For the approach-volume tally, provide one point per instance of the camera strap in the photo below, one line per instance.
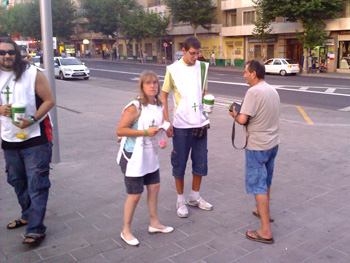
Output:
(233, 137)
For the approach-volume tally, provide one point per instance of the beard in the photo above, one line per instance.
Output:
(7, 64)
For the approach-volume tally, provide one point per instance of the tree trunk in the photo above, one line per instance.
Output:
(194, 30)
(126, 49)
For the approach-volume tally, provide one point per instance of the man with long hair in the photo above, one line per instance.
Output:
(26, 138)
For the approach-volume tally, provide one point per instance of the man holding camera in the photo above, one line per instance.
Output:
(261, 108)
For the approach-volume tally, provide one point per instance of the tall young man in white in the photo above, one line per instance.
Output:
(188, 79)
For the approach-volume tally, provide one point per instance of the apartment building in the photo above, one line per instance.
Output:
(238, 26)
(8, 3)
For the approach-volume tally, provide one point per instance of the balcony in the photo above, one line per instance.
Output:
(234, 4)
(155, 3)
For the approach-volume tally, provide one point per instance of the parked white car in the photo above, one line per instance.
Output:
(282, 66)
(68, 68)
(36, 61)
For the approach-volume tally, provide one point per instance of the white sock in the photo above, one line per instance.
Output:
(194, 195)
(181, 198)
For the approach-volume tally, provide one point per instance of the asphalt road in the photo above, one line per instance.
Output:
(316, 92)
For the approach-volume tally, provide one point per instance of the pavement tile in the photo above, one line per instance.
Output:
(226, 255)
(342, 245)
(192, 255)
(63, 258)
(91, 250)
(62, 248)
(160, 253)
(264, 254)
(30, 256)
(326, 256)
(126, 253)
(196, 239)
(225, 241)
(99, 258)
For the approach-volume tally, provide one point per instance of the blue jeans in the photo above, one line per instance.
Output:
(183, 143)
(259, 167)
(28, 172)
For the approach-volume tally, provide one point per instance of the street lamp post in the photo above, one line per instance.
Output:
(47, 41)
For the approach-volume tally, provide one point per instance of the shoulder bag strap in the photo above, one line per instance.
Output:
(202, 76)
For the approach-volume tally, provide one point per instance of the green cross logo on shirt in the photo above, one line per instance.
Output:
(153, 123)
(7, 94)
(195, 107)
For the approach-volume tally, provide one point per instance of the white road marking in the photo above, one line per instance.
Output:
(345, 109)
(330, 90)
(240, 84)
(304, 88)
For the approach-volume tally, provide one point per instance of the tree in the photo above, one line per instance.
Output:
(106, 16)
(139, 25)
(196, 12)
(25, 19)
(310, 15)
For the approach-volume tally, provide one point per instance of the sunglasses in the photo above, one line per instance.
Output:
(11, 52)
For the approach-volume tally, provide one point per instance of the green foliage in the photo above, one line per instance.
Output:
(196, 12)
(310, 13)
(139, 25)
(106, 16)
(25, 19)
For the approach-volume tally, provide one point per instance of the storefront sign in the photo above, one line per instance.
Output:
(258, 40)
(329, 41)
(347, 32)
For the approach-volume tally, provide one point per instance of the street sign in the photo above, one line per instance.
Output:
(165, 44)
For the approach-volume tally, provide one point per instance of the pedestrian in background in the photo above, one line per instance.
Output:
(27, 144)
(212, 59)
(138, 154)
(190, 124)
(260, 113)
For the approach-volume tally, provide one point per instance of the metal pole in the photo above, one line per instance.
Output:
(47, 44)
(165, 54)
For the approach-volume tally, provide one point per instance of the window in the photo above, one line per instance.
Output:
(248, 17)
(233, 19)
(277, 62)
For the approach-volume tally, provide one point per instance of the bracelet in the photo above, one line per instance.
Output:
(31, 120)
(146, 132)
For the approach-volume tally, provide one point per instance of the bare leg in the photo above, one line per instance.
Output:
(180, 183)
(152, 202)
(196, 182)
(129, 209)
(268, 196)
(263, 208)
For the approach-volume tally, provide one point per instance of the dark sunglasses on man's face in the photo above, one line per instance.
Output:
(11, 52)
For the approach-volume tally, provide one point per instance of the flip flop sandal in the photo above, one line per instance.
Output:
(37, 239)
(18, 223)
(258, 238)
(258, 216)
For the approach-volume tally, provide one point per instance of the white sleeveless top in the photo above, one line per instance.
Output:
(22, 91)
(189, 112)
(144, 159)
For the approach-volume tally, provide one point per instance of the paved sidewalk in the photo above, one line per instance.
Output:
(335, 75)
(310, 192)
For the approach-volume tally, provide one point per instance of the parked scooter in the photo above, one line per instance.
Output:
(322, 68)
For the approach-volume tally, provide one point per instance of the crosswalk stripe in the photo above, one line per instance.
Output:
(330, 90)
(345, 109)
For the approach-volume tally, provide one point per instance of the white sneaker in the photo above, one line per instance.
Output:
(181, 209)
(201, 203)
